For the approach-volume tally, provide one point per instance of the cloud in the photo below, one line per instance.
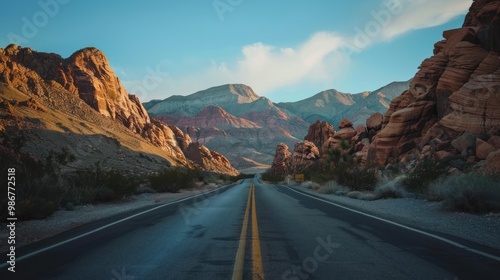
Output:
(419, 14)
(317, 59)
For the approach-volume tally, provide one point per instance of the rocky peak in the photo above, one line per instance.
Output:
(86, 75)
(245, 93)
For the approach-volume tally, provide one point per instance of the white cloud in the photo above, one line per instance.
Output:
(266, 68)
(419, 14)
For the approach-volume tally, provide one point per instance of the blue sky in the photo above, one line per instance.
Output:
(286, 50)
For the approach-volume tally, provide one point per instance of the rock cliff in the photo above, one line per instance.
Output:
(456, 91)
(62, 85)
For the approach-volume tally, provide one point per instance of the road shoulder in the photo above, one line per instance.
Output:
(425, 215)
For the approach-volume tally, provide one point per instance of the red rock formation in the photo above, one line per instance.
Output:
(455, 91)
(346, 130)
(319, 133)
(305, 156)
(209, 160)
(279, 166)
(87, 75)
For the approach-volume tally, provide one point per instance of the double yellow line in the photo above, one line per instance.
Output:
(257, 268)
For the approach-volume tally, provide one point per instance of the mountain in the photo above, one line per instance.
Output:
(79, 106)
(332, 106)
(225, 96)
(233, 120)
(245, 127)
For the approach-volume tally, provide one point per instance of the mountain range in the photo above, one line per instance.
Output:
(233, 120)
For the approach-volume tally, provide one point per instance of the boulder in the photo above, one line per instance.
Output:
(492, 163)
(374, 122)
(483, 149)
(319, 133)
(463, 142)
(495, 141)
(279, 166)
(345, 123)
(305, 155)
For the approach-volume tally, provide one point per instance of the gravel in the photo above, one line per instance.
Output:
(422, 214)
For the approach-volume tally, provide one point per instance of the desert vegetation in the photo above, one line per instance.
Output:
(44, 186)
(474, 192)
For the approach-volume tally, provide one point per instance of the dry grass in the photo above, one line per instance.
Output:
(475, 193)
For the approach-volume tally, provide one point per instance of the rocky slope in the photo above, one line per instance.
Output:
(235, 121)
(84, 89)
(449, 113)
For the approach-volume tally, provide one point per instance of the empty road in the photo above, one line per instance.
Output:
(251, 231)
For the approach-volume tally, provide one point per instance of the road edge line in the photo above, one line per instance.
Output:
(450, 242)
(106, 226)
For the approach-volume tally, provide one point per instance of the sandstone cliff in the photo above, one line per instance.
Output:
(456, 91)
(62, 85)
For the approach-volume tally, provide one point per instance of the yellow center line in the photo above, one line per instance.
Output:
(240, 255)
(257, 268)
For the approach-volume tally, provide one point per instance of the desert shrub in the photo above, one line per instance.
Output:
(143, 190)
(362, 195)
(472, 192)
(103, 194)
(172, 180)
(319, 176)
(391, 189)
(426, 172)
(273, 178)
(340, 166)
(34, 208)
(241, 176)
(310, 185)
(66, 156)
(94, 184)
(120, 184)
(355, 176)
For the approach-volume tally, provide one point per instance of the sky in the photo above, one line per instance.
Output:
(286, 50)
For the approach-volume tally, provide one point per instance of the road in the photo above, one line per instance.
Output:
(250, 231)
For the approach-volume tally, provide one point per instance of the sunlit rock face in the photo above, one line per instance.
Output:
(455, 91)
(87, 76)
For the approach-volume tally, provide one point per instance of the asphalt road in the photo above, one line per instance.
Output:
(252, 231)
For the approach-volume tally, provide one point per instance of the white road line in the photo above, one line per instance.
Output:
(456, 244)
(107, 226)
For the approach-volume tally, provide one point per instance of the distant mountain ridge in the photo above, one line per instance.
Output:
(246, 127)
(332, 106)
(224, 96)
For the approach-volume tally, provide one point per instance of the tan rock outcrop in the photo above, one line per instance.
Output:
(346, 130)
(319, 133)
(305, 155)
(454, 92)
(279, 166)
(374, 122)
(87, 77)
